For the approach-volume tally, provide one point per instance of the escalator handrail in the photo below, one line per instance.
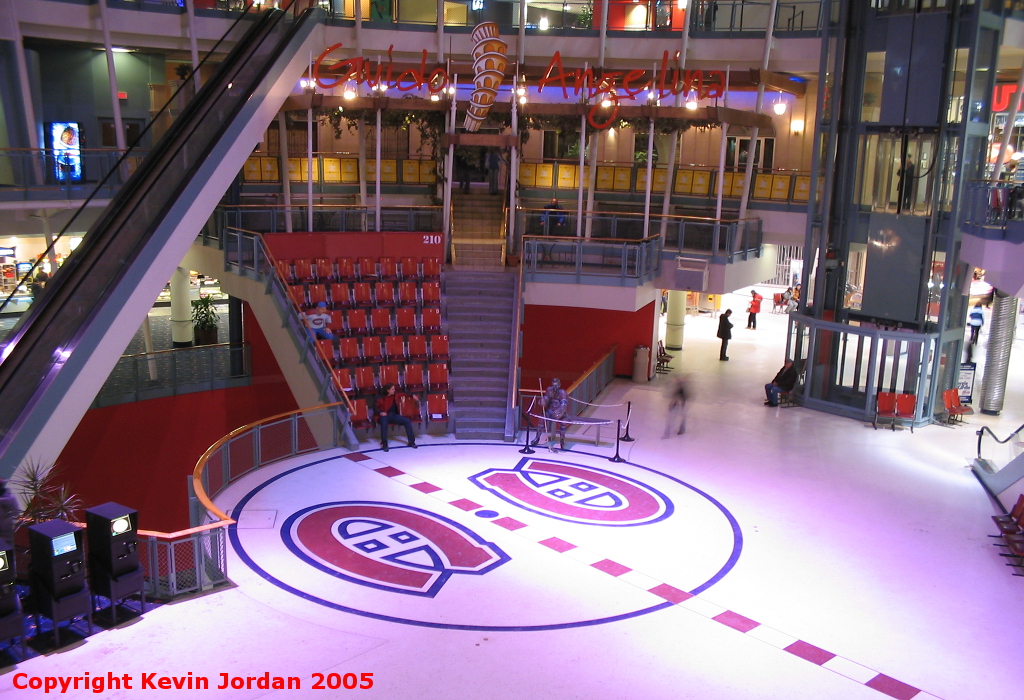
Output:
(986, 429)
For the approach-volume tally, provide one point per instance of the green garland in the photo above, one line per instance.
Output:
(431, 123)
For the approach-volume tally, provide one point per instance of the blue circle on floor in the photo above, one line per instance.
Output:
(486, 514)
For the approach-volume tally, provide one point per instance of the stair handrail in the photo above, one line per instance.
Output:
(985, 429)
(308, 342)
(512, 411)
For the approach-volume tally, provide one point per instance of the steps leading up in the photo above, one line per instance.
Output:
(479, 311)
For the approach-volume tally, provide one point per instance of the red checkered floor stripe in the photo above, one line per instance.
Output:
(744, 625)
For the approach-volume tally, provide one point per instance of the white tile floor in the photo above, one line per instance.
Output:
(871, 545)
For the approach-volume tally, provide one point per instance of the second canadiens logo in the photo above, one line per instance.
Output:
(388, 546)
(576, 493)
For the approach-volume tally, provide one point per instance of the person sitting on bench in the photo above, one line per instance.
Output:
(783, 383)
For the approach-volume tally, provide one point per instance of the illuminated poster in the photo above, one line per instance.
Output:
(67, 150)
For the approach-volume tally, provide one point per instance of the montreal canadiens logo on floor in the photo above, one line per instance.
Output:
(388, 546)
(576, 493)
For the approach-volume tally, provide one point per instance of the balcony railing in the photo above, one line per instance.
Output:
(33, 175)
(172, 372)
(628, 262)
(752, 16)
(993, 210)
(330, 218)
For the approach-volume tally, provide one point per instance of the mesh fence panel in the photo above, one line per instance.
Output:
(184, 577)
(242, 454)
(275, 441)
(215, 473)
(315, 429)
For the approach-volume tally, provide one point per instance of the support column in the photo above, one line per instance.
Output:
(193, 46)
(147, 342)
(112, 76)
(362, 162)
(309, 170)
(513, 172)
(675, 319)
(997, 355)
(376, 191)
(604, 32)
(44, 218)
(522, 37)
(440, 31)
(670, 179)
(591, 184)
(748, 183)
(579, 187)
(181, 310)
(649, 185)
(235, 337)
(25, 88)
(286, 184)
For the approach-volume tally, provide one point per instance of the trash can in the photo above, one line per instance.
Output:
(641, 361)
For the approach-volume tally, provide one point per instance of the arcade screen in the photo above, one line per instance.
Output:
(65, 140)
(119, 526)
(3, 561)
(24, 268)
(64, 544)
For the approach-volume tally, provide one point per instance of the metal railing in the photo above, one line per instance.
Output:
(27, 174)
(258, 444)
(330, 218)
(582, 391)
(172, 372)
(514, 371)
(1001, 452)
(752, 16)
(188, 561)
(993, 210)
(634, 261)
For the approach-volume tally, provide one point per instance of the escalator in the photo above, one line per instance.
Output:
(62, 349)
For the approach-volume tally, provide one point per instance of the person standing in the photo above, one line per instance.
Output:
(493, 168)
(905, 186)
(753, 309)
(976, 320)
(556, 404)
(388, 413)
(725, 333)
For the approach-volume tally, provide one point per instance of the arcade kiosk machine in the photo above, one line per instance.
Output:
(57, 574)
(12, 623)
(114, 570)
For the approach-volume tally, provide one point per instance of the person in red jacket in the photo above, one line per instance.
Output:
(387, 411)
(753, 308)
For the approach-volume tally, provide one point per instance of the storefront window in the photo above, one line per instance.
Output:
(874, 75)
(955, 112)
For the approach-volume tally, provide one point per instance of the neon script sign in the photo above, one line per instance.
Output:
(606, 86)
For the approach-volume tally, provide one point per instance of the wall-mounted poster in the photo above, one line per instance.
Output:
(65, 140)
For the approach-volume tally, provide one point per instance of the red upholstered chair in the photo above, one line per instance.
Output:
(360, 417)
(325, 348)
(410, 408)
(389, 374)
(366, 381)
(348, 348)
(406, 320)
(411, 269)
(885, 407)
(437, 407)
(431, 268)
(303, 269)
(439, 347)
(408, 294)
(380, 321)
(384, 293)
(431, 320)
(341, 295)
(437, 376)
(372, 350)
(337, 322)
(317, 293)
(362, 294)
(389, 269)
(431, 293)
(906, 409)
(368, 269)
(323, 270)
(343, 379)
(418, 348)
(357, 322)
(298, 294)
(412, 378)
(955, 409)
(345, 270)
(394, 348)
(284, 270)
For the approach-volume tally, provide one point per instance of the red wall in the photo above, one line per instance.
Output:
(138, 454)
(288, 246)
(567, 339)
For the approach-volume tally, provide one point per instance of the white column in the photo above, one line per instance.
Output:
(604, 33)
(362, 162)
(440, 31)
(190, 13)
(286, 184)
(25, 87)
(376, 192)
(181, 309)
(752, 149)
(675, 319)
(720, 180)
(513, 170)
(147, 341)
(650, 176)
(591, 184)
(359, 26)
(522, 36)
(666, 201)
(44, 217)
(309, 173)
(579, 188)
(112, 76)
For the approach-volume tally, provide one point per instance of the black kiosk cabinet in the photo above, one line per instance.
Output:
(12, 623)
(114, 570)
(57, 573)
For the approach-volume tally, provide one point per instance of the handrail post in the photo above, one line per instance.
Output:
(257, 458)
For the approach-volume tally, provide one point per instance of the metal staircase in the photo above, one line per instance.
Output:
(478, 230)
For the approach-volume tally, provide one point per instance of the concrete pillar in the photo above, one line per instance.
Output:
(674, 320)
(235, 336)
(997, 354)
(181, 310)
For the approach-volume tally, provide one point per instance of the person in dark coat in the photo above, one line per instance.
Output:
(785, 380)
(388, 412)
(725, 333)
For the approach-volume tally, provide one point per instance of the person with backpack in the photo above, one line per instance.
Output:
(976, 319)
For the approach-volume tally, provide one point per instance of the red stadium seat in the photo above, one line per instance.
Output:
(317, 293)
(348, 348)
(366, 381)
(406, 320)
(431, 293)
(439, 347)
(298, 295)
(431, 268)
(345, 270)
(437, 376)
(357, 322)
(343, 379)
(437, 407)
(412, 378)
(431, 320)
(325, 348)
(418, 348)
(323, 270)
(303, 269)
(410, 408)
(368, 269)
(394, 348)
(372, 351)
(408, 295)
(389, 269)
(360, 417)
(411, 269)
(380, 321)
(337, 322)
(361, 294)
(389, 375)
(284, 270)
(341, 295)
(384, 293)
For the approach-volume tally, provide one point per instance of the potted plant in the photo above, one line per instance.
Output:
(42, 498)
(204, 321)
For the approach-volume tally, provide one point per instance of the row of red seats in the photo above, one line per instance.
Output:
(342, 295)
(349, 351)
(368, 380)
(365, 269)
(356, 322)
(437, 411)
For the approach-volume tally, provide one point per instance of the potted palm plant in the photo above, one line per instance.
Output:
(204, 321)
